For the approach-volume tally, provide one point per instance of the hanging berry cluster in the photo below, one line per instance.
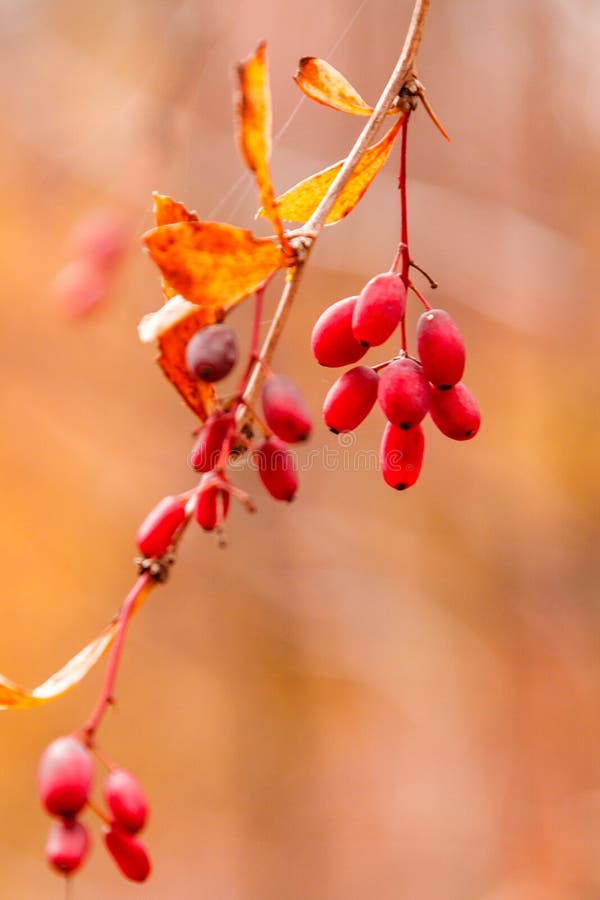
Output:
(405, 387)
(65, 778)
(208, 268)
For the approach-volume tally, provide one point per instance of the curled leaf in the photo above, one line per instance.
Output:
(14, 696)
(199, 395)
(299, 203)
(255, 123)
(212, 264)
(323, 83)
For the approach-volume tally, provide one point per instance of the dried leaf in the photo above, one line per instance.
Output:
(321, 82)
(212, 264)
(199, 395)
(299, 203)
(13, 696)
(168, 211)
(254, 111)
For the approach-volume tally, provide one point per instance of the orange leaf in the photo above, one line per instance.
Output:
(13, 696)
(255, 119)
(299, 203)
(212, 264)
(167, 211)
(321, 82)
(199, 395)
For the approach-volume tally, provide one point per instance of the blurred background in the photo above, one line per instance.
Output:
(367, 694)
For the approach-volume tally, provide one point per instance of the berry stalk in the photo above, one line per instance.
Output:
(142, 586)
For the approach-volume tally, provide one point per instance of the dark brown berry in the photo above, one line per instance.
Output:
(212, 353)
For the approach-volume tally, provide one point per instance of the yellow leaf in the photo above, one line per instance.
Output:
(299, 203)
(168, 211)
(212, 264)
(255, 122)
(321, 82)
(13, 696)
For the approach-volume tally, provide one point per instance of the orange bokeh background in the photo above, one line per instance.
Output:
(367, 695)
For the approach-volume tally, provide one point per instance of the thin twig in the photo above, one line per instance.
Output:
(303, 243)
(106, 697)
(402, 71)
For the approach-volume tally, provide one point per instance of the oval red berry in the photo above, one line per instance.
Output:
(67, 845)
(212, 506)
(64, 776)
(332, 341)
(207, 449)
(404, 393)
(128, 852)
(441, 348)
(379, 309)
(126, 799)
(350, 399)
(285, 409)
(155, 534)
(456, 413)
(401, 455)
(277, 469)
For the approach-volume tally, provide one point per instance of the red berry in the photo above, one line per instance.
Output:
(441, 348)
(401, 455)
(285, 409)
(155, 534)
(207, 449)
(379, 309)
(64, 776)
(456, 413)
(277, 469)
(212, 352)
(80, 286)
(404, 393)
(128, 852)
(212, 506)
(126, 799)
(332, 341)
(101, 235)
(67, 845)
(350, 399)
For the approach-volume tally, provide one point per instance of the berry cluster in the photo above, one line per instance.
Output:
(64, 778)
(406, 388)
(211, 355)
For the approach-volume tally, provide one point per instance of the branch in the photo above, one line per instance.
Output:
(304, 244)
